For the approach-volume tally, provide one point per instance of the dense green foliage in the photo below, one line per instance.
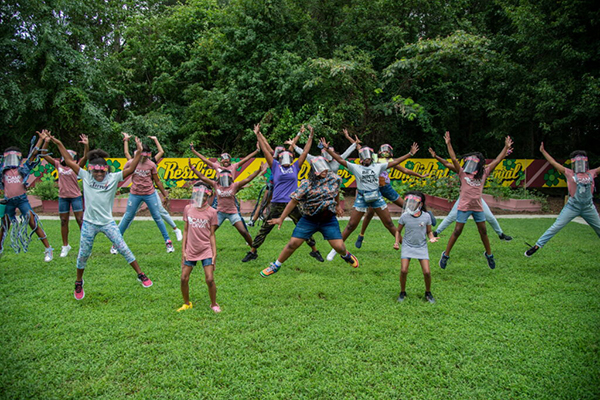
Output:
(527, 330)
(390, 71)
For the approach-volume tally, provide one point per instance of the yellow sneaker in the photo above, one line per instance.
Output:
(185, 307)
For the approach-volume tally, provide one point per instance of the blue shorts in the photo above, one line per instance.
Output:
(205, 263)
(19, 202)
(305, 228)
(232, 217)
(389, 192)
(361, 205)
(463, 216)
(65, 204)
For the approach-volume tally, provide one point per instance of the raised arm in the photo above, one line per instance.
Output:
(410, 172)
(451, 151)
(333, 154)
(86, 149)
(264, 146)
(38, 145)
(199, 174)
(557, 166)
(307, 146)
(65, 154)
(507, 146)
(249, 156)
(413, 150)
(161, 152)
(442, 161)
(44, 150)
(126, 137)
(260, 171)
(200, 156)
(135, 160)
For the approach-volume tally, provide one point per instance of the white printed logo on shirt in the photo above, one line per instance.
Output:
(473, 182)
(142, 172)
(197, 222)
(13, 179)
(225, 193)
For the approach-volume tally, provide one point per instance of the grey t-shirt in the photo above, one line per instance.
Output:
(333, 165)
(367, 178)
(99, 196)
(414, 235)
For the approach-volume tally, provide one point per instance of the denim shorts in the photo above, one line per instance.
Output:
(305, 228)
(19, 202)
(389, 192)
(463, 216)
(361, 205)
(232, 217)
(205, 263)
(66, 203)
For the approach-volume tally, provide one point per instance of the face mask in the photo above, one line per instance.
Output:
(412, 204)
(386, 151)
(225, 179)
(286, 158)
(319, 164)
(580, 164)
(12, 159)
(471, 164)
(200, 195)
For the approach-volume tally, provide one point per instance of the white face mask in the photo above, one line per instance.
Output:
(412, 204)
(470, 165)
(200, 195)
(580, 164)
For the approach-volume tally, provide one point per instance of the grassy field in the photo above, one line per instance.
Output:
(529, 329)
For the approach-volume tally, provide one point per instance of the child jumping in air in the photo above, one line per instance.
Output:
(472, 180)
(99, 188)
(417, 222)
(580, 184)
(199, 244)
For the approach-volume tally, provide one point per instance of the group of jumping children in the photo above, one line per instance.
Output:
(313, 205)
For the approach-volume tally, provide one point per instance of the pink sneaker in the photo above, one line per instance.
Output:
(216, 308)
(79, 292)
(144, 280)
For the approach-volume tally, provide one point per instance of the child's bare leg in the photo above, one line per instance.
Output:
(78, 218)
(186, 270)
(64, 228)
(134, 264)
(355, 217)
(339, 246)
(210, 282)
(386, 219)
(484, 237)
(290, 248)
(367, 221)
(242, 230)
(403, 273)
(426, 274)
(458, 228)
(38, 229)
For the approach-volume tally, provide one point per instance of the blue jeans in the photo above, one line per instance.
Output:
(489, 217)
(205, 263)
(388, 192)
(66, 203)
(133, 204)
(305, 228)
(163, 213)
(571, 210)
(19, 202)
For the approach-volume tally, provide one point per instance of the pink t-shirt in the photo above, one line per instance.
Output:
(471, 190)
(226, 198)
(197, 245)
(141, 179)
(218, 167)
(13, 183)
(67, 181)
(583, 178)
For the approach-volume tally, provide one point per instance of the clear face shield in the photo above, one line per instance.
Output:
(12, 159)
(366, 153)
(412, 204)
(200, 195)
(319, 165)
(470, 165)
(386, 151)
(225, 179)
(286, 158)
(326, 155)
(225, 159)
(72, 154)
(580, 164)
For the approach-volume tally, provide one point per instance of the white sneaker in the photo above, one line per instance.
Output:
(170, 247)
(178, 234)
(331, 255)
(113, 250)
(48, 254)
(65, 250)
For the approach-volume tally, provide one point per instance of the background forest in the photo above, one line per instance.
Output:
(391, 71)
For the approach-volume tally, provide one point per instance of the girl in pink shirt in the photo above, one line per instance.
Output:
(226, 189)
(199, 244)
(473, 175)
(69, 194)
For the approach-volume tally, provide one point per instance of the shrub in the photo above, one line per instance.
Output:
(184, 192)
(252, 190)
(45, 190)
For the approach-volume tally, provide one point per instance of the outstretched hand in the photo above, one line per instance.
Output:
(276, 221)
(257, 129)
(138, 144)
(414, 148)
(324, 143)
(432, 152)
(542, 149)
(447, 137)
(433, 239)
(84, 140)
(126, 136)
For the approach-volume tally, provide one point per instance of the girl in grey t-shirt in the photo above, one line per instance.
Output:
(417, 222)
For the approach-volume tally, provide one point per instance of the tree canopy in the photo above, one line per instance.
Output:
(390, 71)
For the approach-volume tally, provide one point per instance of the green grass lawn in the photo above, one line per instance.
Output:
(529, 329)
